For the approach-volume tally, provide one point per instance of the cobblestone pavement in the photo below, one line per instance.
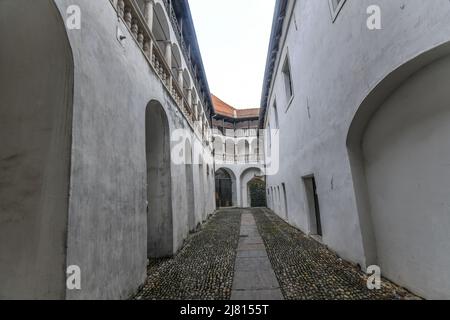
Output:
(203, 269)
(305, 269)
(308, 270)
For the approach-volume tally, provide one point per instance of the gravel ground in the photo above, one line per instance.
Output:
(307, 270)
(203, 269)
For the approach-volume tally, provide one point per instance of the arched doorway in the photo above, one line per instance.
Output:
(189, 185)
(257, 192)
(246, 176)
(159, 186)
(399, 147)
(224, 189)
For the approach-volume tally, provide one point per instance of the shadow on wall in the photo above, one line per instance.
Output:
(35, 153)
(399, 153)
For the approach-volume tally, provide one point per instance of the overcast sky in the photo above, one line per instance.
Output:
(234, 37)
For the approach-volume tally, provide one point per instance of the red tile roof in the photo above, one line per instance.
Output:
(224, 109)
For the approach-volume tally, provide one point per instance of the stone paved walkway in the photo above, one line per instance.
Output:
(253, 254)
(254, 278)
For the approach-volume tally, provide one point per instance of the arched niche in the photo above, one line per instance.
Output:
(159, 183)
(36, 108)
(398, 146)
(190, 196)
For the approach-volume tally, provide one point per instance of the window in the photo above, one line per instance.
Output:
(335, 7)
(288, 79)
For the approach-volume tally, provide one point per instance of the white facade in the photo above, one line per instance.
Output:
(239, 153)
(88, 176)
(368, 118)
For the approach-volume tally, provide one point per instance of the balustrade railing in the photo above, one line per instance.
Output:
(227, 158)
(132, 16)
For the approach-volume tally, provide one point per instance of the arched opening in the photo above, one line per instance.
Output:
(194, 103)
(243, 151)
(257, 192)
(246, 176)
(246, 151)
(224, 189)
(219, 149)
(230, 150)
(253, 155)
(189, 185)
(35, 137)
(159, 185)
(398, 148)
(187, 84)
(160, 27)
(176, 62)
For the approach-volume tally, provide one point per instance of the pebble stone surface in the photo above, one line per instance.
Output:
(308, 270)
(203, 269)
(304, 268)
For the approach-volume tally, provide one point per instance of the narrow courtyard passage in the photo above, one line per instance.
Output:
(253, 254)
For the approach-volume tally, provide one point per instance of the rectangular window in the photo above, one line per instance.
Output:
(288, 79)
(335, 8)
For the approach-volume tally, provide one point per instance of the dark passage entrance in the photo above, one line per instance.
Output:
(314, 208)
(224, 193)
(257, 192)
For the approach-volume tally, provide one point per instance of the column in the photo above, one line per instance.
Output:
(168, 52)
(189, 97)
(168, 58)
(148, 13)
(180, 78)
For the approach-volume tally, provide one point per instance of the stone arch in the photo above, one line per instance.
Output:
(397, 143)
(159, 182)
(190, 195)
(160, 28)
(35, 153)
(246, 176)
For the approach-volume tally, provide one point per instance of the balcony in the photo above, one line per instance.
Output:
(148, 24)
(239, 159)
